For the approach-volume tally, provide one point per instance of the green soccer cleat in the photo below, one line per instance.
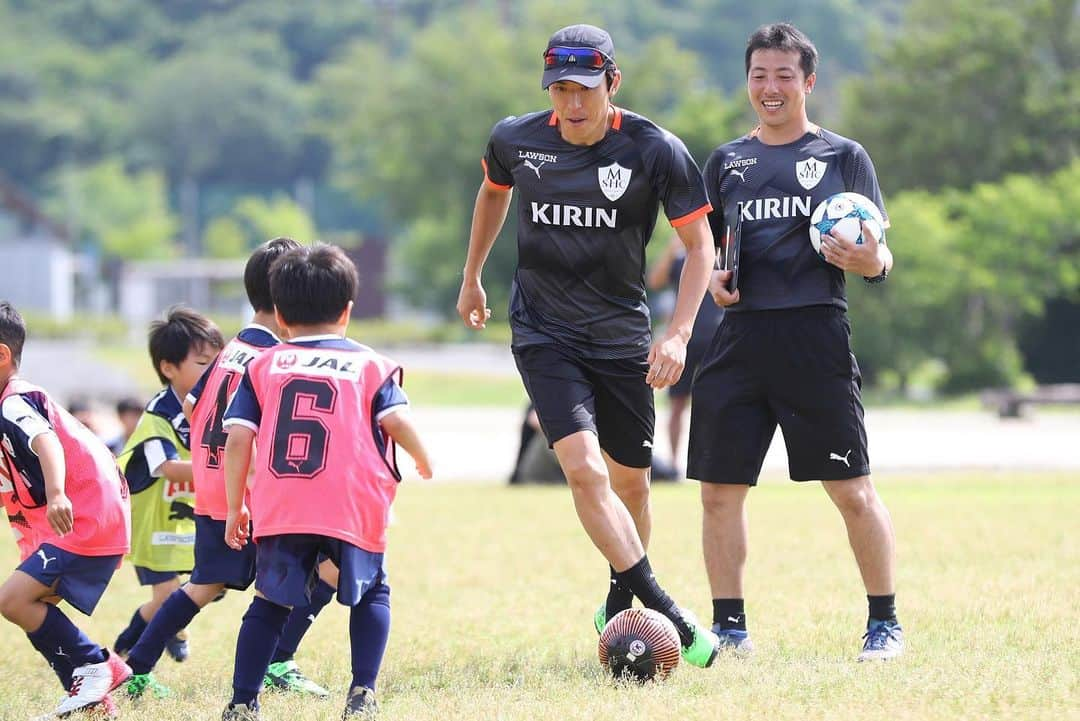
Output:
(140, 683)
(703, 650)
(600, 618)
(286, 676)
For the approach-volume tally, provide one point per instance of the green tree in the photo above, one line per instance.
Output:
(218, 117)
(968, 92)
(1025, 232)
(126, 215)
(275, 217)
(225, 238)
(410, 129)
(60, 103)
(900, 324)
(705, 119)
(255, 220)
(716, 30)
(971, 267)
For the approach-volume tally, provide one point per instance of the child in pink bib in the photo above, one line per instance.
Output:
(326, 414)
(68, 506)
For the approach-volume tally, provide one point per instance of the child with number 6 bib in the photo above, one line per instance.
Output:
(325, 413)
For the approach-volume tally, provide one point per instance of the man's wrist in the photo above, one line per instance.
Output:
(681, 332)
(881, 276)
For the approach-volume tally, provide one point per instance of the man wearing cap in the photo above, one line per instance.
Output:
(591, 178)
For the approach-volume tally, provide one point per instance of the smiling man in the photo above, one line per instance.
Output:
(783, 352)
(591, 179)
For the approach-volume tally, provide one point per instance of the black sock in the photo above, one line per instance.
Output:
(882, 608)
(130, 635)
(640, 580)
(619, 597)
(300, 620)
(729, 613)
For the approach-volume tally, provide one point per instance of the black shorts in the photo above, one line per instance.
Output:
(793, 367)
(606, 396)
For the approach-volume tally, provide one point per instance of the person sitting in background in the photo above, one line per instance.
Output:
(83, 413)
(128, 412)
(537, 463)
(665, 274)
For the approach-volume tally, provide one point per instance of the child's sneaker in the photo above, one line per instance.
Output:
(140, 683)
(240, 712)
(177, 647)
(883, 640)
(286, 676)
(360, 704)
(105, 709)
(90, 684)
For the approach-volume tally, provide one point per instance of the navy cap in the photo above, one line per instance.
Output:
(579, 36)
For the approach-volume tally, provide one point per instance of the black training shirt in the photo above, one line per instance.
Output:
(585, 215)
(772, 190)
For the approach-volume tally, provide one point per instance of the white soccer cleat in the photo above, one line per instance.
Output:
(90, 684)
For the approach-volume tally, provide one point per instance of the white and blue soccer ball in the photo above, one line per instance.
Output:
(842, 215)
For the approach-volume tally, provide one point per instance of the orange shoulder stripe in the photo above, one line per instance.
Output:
(489, 181)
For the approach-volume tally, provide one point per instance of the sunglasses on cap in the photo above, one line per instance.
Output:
(582, 57)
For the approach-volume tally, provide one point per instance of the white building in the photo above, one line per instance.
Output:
(37, 266)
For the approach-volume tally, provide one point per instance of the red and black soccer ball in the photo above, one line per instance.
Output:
(639, 644)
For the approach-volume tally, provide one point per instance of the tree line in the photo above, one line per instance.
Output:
(164, 127)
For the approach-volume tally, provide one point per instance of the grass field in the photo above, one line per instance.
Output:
(494, 588)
